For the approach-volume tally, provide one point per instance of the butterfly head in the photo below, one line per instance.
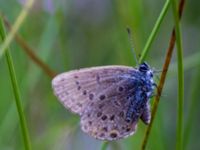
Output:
(146, 69)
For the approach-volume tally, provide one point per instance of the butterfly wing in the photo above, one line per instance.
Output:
(105, 119)
(100, 95)
(77, 89)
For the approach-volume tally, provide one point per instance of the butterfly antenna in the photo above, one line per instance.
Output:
(132, 47)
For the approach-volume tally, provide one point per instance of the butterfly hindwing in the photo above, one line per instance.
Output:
(105, 119)
(146, 115)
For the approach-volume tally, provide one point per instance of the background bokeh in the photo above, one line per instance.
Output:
(69, 34)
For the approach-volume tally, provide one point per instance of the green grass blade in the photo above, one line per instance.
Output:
(104, 145)
(16, 91)
(179, 127)
(154, 31)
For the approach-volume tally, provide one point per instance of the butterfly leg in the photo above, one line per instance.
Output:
(146, 115)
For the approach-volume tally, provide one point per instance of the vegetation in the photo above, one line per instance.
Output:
(49, 37)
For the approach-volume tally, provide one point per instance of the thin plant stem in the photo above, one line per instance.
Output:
(16, 26)
(162, 79)
(154, 31)
(104, 145)
(13, 78)
(179, 126)
(30, 52)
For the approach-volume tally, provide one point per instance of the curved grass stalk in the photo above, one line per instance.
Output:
(16, 26)
(30, 52)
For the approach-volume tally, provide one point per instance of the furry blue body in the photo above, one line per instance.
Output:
(143, 86)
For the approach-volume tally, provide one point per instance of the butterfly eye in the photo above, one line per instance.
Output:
(144, 67)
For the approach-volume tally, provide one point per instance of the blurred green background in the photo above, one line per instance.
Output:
(69, 34)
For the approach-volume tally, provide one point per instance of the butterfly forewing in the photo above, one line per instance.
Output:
(79, 88)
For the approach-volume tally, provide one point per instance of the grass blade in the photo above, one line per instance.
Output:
(179, 127)
(22, 120)
(104, 145)
(154, 31)
(162, 79)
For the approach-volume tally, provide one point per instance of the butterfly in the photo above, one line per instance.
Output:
(110, 100)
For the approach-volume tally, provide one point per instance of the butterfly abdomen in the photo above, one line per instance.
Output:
(136, 106)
